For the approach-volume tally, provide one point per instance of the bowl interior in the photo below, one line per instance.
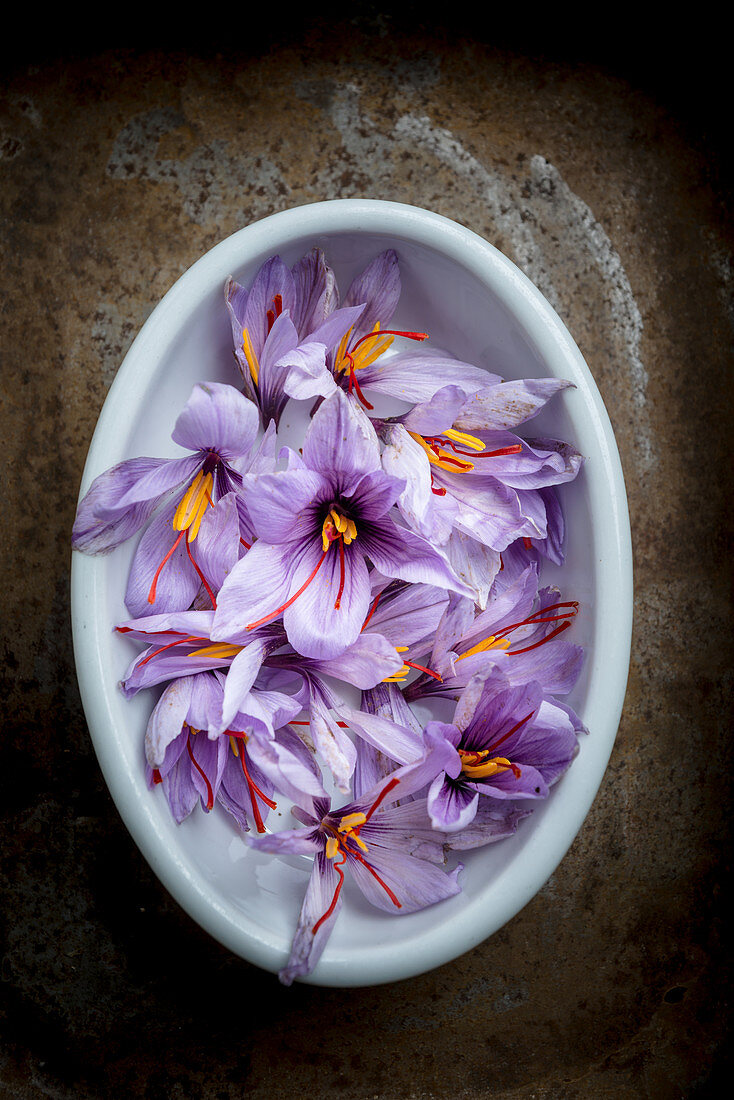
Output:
(477, 305)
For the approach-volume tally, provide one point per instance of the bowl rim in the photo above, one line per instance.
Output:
(613, 568)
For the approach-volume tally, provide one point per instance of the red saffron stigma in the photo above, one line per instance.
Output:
(301, 590)
(276, 311)
(255, 793)
(371, 611)
(200, 770)
(202, 578)
(385, 791)
(421, 668)
(499, 453)
(373, 872)
(353, 382)
(301, 722)
(154, 584)
(247, 545)
(157, 777)
(509, 733)
(547, 638)
(342, 575)
(332, 907)
(390, 332)
(169, 645)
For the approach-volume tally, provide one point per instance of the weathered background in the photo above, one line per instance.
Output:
(599, 166)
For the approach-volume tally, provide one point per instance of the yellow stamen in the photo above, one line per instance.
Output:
(465, 439)
(349, 821)
(233, 743)
(336, 525)
(441, 457)
(368, 351)
(250, 355)
(193, 506)
(488, 643)
(495, 766)
(332, 847)
(217, 650)
(339, 521)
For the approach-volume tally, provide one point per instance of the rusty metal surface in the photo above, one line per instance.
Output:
(117, 170)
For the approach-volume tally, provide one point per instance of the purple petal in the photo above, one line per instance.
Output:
(315, 625)
(316, 292)
(508, 404)
(216, 548)
(378, 288)
(256, 588)
(308, 946)
(167, 719)
(100, 524)
(398, 552)
(414, 882)
(452, 806)
(217, 416)
(493, 821)
(283, 506)
(177, 582)
(341, 443)
(416, 376)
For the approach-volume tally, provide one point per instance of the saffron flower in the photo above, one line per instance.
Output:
(240, 769)
(522, 632)
(509, 743)
(282, 328)
(218, 427)
(485, 486)
(318, 525)
(359, 361)
(375, 838)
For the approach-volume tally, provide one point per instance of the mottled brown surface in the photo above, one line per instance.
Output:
(117, 171)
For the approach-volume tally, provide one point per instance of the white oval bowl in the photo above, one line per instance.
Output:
(476, 303)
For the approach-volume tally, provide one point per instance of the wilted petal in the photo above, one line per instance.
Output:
(321, 898)
(508, 404)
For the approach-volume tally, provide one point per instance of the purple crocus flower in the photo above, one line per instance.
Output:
(218, 426)
(179, 644)
(359, 362)
(318, 524)
(282, 328)
(488, 486)
(509, 743)
(377, 840)
(522, 632)
(240, 769)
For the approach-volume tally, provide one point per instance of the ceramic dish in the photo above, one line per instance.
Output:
(476, 303)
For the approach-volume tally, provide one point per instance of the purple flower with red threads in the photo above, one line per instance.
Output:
(242, 768)
(522, 632)
(376, 837)
(509, 742)
(485, 486)
(218, 426)
(318, 525)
